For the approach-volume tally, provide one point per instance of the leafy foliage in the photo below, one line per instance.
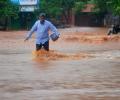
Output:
(79, 6)
(107, 6)
(8, 9)
(114, 5)
(61, 7)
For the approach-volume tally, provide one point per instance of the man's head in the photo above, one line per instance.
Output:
(42, 18)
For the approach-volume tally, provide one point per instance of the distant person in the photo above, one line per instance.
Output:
(41, 29)
(115, 29)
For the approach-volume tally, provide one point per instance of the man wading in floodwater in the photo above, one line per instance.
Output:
(41, 29)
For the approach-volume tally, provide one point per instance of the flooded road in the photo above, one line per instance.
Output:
(84, 64)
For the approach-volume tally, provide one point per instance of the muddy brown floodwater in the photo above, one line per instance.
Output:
(84, 64)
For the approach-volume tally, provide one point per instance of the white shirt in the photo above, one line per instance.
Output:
(41, 31)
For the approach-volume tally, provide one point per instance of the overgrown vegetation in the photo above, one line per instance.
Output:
(57, 8)
(7, 10)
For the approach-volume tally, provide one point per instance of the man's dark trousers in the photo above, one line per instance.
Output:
(45, 46)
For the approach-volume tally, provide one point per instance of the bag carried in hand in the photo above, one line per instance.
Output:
(54, 36)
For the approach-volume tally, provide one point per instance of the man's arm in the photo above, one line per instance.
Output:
(32, 30)
(54, 29)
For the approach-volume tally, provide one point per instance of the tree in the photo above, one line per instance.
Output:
(7, 10)
(64, 8)
(100, 5)
(114, 5)
(79, 6)
(51, 7)
(107, 6)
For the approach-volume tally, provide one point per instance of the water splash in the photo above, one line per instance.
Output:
(43, 55)
(96, 39)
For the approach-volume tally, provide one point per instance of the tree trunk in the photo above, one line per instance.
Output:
(6, 23)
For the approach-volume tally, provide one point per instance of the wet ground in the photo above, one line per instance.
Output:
(84, 64)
